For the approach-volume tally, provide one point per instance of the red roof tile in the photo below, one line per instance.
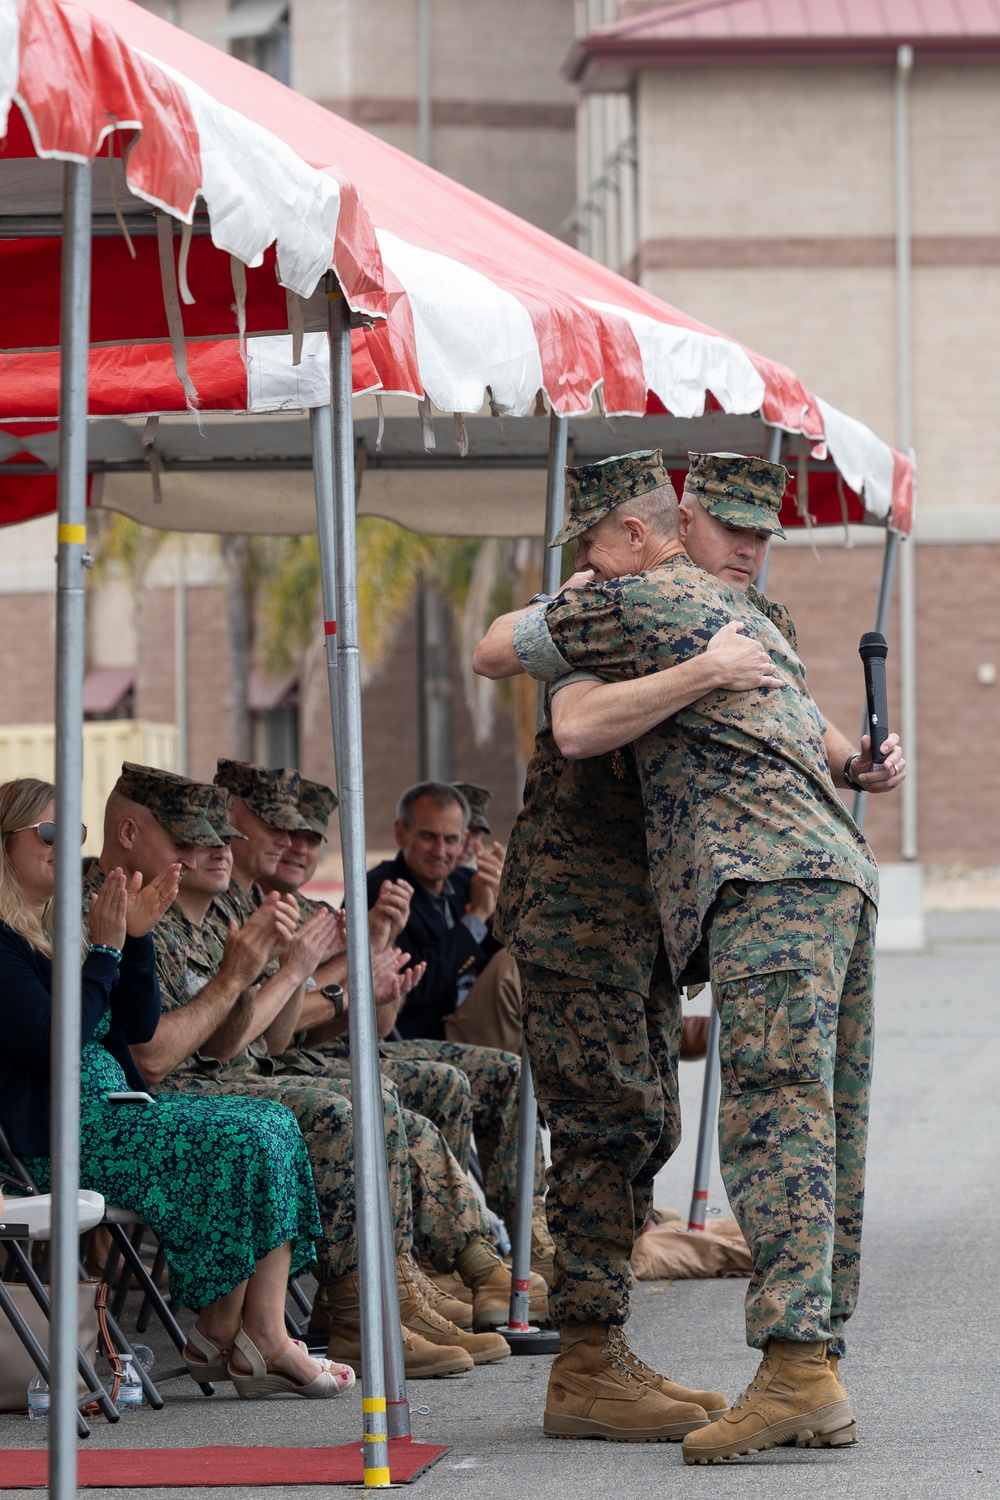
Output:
(778, 30)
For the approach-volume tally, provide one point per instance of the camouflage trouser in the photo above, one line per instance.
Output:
(494, 1080)
(792, 974)
(446, 1213)
(326, 1120)
(604, 1062)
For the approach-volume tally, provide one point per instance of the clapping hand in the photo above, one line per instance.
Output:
(108, 912)
(148, 902)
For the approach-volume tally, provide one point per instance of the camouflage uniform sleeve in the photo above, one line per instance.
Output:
(178, 984)
(580, 632)
(591, 629)
(536, 651)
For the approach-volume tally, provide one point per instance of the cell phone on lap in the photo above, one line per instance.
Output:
(130, 1096)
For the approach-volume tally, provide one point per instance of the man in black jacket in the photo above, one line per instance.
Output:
(470, 991)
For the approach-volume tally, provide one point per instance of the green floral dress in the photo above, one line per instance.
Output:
(221, 1181)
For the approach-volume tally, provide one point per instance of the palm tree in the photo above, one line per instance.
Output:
(475, 579)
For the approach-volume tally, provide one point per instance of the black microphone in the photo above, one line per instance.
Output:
(873, 651)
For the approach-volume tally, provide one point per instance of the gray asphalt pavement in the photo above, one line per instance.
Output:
(924, 1361)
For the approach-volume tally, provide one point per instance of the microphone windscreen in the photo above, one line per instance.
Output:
(873, 645)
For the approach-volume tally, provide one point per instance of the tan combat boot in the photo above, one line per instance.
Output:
(481, 1268)
(793, 1398)
(420, 1316)
(594, 1392)
(713, 1402)
(336, 1315)
(452, 1298)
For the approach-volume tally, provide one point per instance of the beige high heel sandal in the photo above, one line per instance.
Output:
(215, 1363)
(333, 1379)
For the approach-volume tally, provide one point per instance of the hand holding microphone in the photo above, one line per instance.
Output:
(880, 766)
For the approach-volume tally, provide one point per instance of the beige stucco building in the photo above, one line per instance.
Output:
(766, 202)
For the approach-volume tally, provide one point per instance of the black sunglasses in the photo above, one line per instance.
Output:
(47, 832)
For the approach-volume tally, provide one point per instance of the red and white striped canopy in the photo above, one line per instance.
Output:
(463, 302)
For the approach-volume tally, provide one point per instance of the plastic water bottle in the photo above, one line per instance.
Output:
(38, 1398)
(129, 1396)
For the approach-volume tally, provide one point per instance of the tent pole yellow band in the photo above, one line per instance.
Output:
(76, 534)
(373, 1403)
(376, 1478)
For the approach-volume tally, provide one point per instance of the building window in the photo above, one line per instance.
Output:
(257, 33)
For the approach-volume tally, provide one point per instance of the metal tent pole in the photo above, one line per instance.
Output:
(74, 335)
(889, 554)
(909, 791)
(774, 457)
(369, 1133)
(524, 1339)
(706, 1126)
(397, 1404)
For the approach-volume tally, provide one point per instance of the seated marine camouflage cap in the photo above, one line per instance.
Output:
(478, 798)
(316, 803)
(738, 490)
(594, 490)
(190, 811)
(272, 794)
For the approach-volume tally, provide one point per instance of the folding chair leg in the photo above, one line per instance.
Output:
(88, 1374)
(156, 1275)
(125, 1275)
(13, 1313)
(160, 1307)
(300, 1299)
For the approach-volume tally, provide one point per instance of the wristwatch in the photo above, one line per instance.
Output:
(848, 763)
(539, 599)
(335, 994)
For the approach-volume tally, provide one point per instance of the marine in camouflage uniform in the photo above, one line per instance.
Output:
(459, 1087)
(748, 840)
(602, 1015)
(441, 1205)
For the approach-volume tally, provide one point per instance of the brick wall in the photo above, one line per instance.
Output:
(28, 633)
(832, 599)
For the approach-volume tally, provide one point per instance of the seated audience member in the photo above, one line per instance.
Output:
(431, 1090)
(460, 1088)
(218, 1033)
(224, 1183)
(471, 991)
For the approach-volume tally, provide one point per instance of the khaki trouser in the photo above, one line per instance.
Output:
(490, 1014)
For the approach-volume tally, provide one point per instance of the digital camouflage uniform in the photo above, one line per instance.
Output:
(446, 1213)
(602, 1026)
(748, 838)
(461, 1089)
(432, 1201)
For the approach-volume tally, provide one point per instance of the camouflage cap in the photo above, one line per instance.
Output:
(272, 794)
(738, 490)
(188, 810)
(316, 803)
(594, 490)
(478, 799)
(218, 808)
